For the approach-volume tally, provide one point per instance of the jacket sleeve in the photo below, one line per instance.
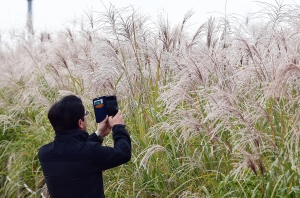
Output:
(94, 138)
(107, 157)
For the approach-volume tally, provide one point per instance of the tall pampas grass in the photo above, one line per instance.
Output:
(211, 113)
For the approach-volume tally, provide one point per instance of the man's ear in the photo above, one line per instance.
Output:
(80, 124)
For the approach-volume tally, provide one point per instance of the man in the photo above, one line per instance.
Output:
(73, 163)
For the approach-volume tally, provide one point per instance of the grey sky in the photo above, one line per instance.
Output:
(53, 14)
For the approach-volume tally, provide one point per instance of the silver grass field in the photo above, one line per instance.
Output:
(212, 112)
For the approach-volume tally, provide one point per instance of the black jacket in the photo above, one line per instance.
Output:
(73, 163)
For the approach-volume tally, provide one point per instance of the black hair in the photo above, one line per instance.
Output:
(65, 113)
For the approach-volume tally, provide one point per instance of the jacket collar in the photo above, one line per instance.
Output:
(71, 134)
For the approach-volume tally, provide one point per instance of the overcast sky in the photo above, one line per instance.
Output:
(54, 14)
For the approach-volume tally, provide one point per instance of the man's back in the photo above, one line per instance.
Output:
(68, 166)
(73, 163)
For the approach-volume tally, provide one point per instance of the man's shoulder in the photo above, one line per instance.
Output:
(45, 146)
(66, 149)
(42, 151)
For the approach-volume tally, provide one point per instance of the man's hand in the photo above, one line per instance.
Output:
(117, 119)
(104, 127)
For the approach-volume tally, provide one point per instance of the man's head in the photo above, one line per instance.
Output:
(67, 114)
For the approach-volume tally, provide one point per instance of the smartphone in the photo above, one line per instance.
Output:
(105, 105)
